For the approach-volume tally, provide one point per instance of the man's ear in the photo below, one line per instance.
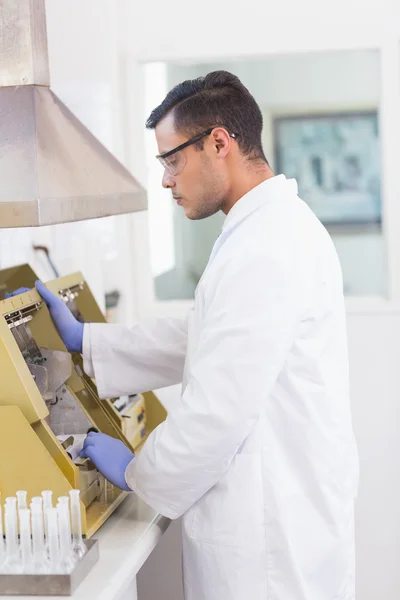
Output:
(222, 141)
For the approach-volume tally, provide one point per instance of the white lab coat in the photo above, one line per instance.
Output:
(259, 457)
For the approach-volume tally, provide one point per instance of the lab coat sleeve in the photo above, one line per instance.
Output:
(129, 361)
(248, 328)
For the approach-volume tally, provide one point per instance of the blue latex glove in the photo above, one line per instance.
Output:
(110, 456)
(70, 330)
(18, 291)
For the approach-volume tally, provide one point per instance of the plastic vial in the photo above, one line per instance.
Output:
(11, 528)
(47, 499)
(78, 546)
(40, 561)
(21, 499)
(64, 501)
(67, 559)
(37, 500)
(47, 503)
(53, 539)
(25, 539)
(12, 564)
(2, 547)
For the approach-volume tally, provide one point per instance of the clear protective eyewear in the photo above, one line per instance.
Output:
(174, 160)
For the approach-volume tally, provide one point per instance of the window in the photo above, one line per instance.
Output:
(321, 126)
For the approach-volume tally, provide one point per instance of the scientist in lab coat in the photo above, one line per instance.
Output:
(259, 457)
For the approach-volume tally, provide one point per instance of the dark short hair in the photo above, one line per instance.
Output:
(217, 100)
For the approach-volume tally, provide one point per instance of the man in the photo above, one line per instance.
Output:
(259, 457)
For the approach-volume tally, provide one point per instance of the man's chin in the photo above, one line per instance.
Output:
(190, 213)
(194, 215)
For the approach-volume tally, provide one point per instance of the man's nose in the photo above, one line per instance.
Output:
(168, 180)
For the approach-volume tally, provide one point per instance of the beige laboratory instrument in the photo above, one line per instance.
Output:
(48, 404)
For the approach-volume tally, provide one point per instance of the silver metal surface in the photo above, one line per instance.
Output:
(23, 43)
(51, 585)
(52, 169)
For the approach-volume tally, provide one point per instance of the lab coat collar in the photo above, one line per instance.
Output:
(262, 193)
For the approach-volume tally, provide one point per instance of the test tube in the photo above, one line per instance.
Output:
(21, 499)
(78, 546)
(47, 503)
(47, 499)
(40, 562)
(53, 539)
(2, 548)
(64, 500)
(10, 526)
(67, 560)
(25, 539)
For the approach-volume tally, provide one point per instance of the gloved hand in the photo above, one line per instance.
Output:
(110, 456)
(70, 330)
(18, 291)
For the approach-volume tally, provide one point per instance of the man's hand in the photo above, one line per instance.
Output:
(110, 456)
(21, 290)
(70, 330)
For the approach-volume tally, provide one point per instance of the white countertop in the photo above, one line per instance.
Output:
(126, 540)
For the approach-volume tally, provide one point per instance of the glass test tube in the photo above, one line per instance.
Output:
(53, 539)
(25, 539)
(78, 545)
(64, 500)
(47, 503)
(10, 526)
(2, 548)
(21, 499)
(67, 560)
(40, 561)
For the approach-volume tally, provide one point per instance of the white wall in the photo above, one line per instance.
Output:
(165, 31)
(375, 386)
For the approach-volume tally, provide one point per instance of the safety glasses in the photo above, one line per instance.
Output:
(174, 160)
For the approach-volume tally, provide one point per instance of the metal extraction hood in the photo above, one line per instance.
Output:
(52, 169)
